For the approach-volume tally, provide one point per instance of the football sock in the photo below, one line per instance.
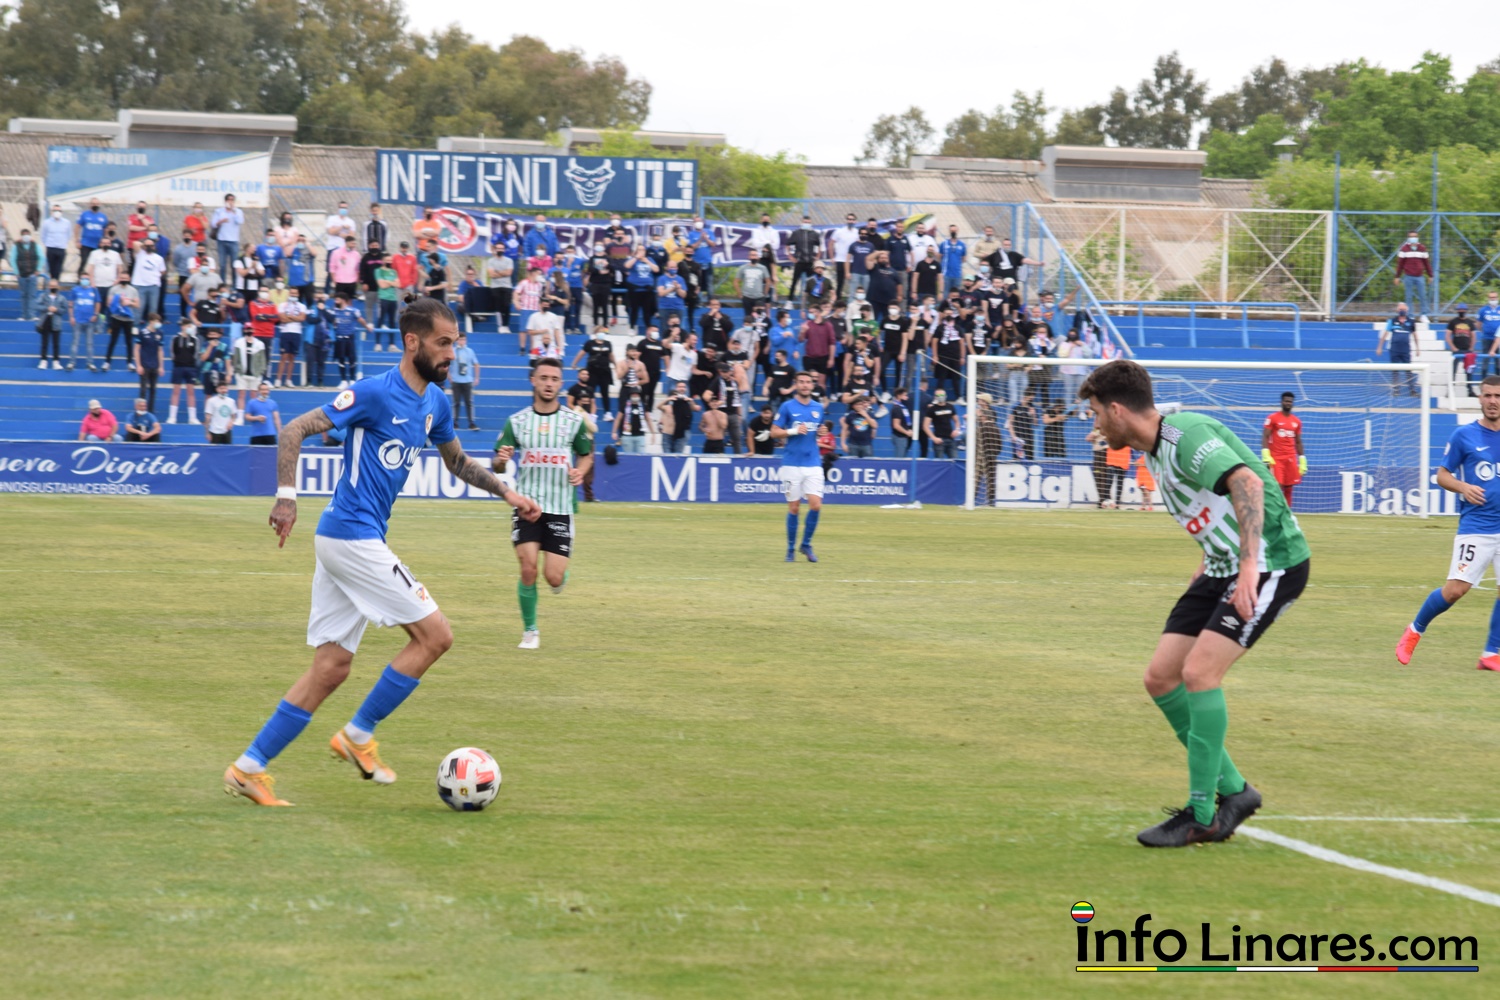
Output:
(1493, 643)
(1174, 705)
(1205, 744)
(385, 697)
(526, 595)
(791, 530)
(810, 527)
(1431, 608)
(284, 725)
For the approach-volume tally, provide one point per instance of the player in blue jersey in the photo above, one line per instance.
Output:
(801, 466)
(1470, 462)
(357, 578)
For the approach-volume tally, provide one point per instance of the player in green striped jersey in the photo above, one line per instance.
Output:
(1255, 564)
(544, 439)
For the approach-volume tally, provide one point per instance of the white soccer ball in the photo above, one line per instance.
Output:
(468, 779)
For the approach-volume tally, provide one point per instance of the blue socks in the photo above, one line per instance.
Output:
(1431, 608)
(791, 530)
(812, 525)
(384, 698)
(1492, 644)
(284, 725)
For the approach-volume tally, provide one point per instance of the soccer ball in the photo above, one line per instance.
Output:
(468, 779)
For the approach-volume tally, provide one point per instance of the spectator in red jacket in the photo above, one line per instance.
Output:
(1413, 268)
(408, 275)
(98, 424)
(264, 315)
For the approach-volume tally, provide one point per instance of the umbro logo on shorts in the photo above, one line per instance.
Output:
(1230, 621)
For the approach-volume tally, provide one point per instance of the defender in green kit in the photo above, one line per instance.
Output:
(545, 438)
(1255, 564)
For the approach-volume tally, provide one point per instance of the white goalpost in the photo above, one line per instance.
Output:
(1366, 431)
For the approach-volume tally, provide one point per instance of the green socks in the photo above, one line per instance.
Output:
(1175, 706)
(1205, 744)
(526, 595)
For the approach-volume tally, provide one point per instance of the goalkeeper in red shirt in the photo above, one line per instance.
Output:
(1281, 446)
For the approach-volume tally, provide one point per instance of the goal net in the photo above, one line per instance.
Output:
(1364, 429)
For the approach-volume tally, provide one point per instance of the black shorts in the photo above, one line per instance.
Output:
(1206, 605)
(553, 531)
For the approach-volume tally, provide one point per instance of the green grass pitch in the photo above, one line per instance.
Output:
(887, 775)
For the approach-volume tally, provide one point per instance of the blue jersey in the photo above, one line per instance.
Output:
(1401, 328)
(387, 425)
(85, 302)
(801, 450)
(299, 269)
(345, 322)
(270, 256)
(641, 275)
(1489, 320)
(93, 225)
(953, 257)
(1472, 455)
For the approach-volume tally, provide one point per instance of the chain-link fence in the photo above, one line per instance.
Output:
(1224, 255)
(1463, 255)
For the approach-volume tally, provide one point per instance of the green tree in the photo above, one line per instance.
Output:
(1017, 132)
(1083, 127)
(723, 171)
(1250, 153)
(894, 139)
(1162, 110)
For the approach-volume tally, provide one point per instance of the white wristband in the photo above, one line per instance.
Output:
(286, 493)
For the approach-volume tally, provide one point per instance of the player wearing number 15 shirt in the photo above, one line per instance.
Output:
(357, 578)
(1469, 469)
(1255, 564)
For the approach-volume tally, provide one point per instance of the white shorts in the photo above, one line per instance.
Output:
(358, 581)
(247, 382)
(799, 482)
(1472, 555)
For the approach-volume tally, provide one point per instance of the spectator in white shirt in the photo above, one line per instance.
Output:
(146, 276)
(226, 224)
(839, 242)
(219, 413)
(57, 235)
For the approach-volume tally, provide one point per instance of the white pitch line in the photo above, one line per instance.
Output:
(1361, 865)
(1384, 819)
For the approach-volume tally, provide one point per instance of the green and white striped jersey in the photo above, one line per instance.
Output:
(545, 444)
(1193, 454)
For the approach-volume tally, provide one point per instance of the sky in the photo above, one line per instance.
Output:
(701, 57)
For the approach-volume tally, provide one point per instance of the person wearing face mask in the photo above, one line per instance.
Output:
(570, 266)
(408, 271)
(507, 238)
(83, 316)
(26, 261)
(137, 225)
(600, 280)
(895, 335)
(764, 241)
(184, 258)
(286, 234)
(952, 251)
(57, 237)
(146, 276)
(500, 273)
(225, 229)
(426, 231)
(49, 323)
(703, 245)
(301, 268)
(541, 237)
(148, 358)
(196, 223)
(377, 233)
(807, 250)
(90, 231)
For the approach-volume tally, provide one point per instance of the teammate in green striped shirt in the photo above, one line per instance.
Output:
(1255, 564)
(545, 438)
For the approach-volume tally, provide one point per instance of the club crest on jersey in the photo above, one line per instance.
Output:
(394, 454)
(428, 428)
(344, 400)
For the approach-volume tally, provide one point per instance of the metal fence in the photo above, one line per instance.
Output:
(1464, 249)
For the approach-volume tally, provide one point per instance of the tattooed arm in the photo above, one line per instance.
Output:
(1247, 493)
(475, 474)
(288, 452)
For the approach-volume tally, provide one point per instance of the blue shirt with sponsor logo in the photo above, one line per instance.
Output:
(85, 302)
(345, 322)
(1489, 320)
(801, 450)
(92, 225)
(1471, 455)
(386, 424)
(952, 251)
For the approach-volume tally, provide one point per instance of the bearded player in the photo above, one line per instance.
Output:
(357, 578)
(545, 438)
(1281, 446)
(1255, 564)
(1468, 469)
